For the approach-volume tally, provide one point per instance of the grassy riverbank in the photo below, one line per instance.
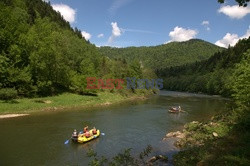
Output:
(66, 100)
(224, 140)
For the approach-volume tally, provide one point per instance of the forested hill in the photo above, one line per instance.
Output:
(40, 54)
(213, 76)
(166, 55)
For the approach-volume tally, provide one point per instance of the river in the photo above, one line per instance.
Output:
(39, 139)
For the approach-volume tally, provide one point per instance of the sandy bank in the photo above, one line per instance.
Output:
(12, 115)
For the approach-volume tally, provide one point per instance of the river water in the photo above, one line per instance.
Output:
(39, 139)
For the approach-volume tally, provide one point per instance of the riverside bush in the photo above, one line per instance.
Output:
(8, 94)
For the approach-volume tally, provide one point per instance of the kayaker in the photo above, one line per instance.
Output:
(94, 131)
(179, 108)
(74, 134)
(87, 134)
(85, 129)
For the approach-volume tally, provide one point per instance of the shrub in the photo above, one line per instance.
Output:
(8, 94)
(193, 126)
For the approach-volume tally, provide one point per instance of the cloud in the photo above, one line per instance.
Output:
(117, 4)
(206, 25)
(86, 35)
(100, 35)
(67, 12)
(116, 32)
(235, 12)
(181, 34)
(137, 31)
(228, 39)
(231, 39)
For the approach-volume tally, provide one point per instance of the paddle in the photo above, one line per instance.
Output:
(66, 142)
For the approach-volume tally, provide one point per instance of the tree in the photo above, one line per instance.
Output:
(240, 81)
(240, 2)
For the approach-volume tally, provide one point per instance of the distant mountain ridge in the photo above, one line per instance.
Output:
(211, 76)
(166, 55)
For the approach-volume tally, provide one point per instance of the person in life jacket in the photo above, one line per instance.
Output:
(94, 132)
(87, 134)
(85, 129)
(75, 135)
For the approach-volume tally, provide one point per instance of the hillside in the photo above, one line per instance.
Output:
(224, 139)
(167, 55)
(41, 55)
(210, 76)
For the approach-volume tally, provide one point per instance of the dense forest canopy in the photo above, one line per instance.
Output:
(212, 76)
(40, 54)
(166, 55)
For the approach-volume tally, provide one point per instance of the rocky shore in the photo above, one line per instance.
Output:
(195, 133)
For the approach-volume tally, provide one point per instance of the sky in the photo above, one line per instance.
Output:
(123, 23)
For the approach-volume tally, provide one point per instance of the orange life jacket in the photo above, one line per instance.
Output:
(85, 129)
(87, 134)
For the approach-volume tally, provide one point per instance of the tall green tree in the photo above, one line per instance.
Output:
(240, 81)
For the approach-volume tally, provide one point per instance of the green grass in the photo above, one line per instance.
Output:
(66, 100)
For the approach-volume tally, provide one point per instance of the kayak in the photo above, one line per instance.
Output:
(173, 111)
(83, 139)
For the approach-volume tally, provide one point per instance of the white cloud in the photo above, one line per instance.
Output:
(228, 39)
(235, 12)
(181, 34)
(67, 12)
(206, 25)
(116, 32)
(100, 35)
(86, 35)
(137, 31)
(231, 39)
